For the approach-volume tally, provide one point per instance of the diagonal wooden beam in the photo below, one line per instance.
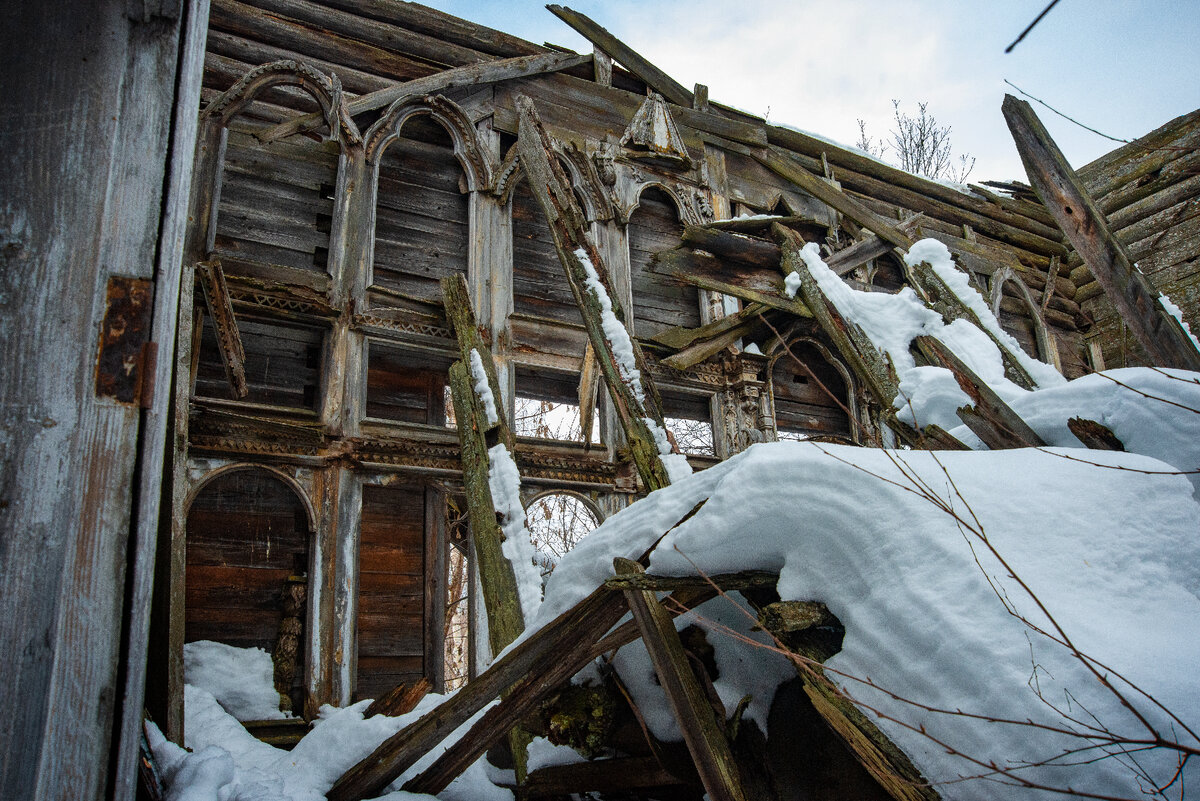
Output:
(468, 75)
(220, 311)
(1128, 289)
(637, 64)
(701, 730)
(635, 398)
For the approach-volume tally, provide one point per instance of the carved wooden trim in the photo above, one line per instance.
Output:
(326, 90)
(220, 311)
(476, 164)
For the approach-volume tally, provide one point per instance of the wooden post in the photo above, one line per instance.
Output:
(694, 713)
(1128, 289)
(461, 317)
(635, 400)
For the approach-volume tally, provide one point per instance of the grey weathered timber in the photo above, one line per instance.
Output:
(703, 271)
(655, 78)
(589, 388)
(467, 75)
(941, 298)
(461, 316)
(992, 420)
(1094, 435)
(681, 336)
(779, 162)
(732, 245)
(568, 227)
(584, 622)
(220, 310)
(1127, 288)
(94, 169)
(725, 582)
(691, 707)
(699, 351)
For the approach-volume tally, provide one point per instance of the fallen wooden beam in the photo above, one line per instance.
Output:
(637, 64)
(585, 622)
(701, 731)
(602, 776)
(726, 582)
(989, 417)
(681, 337)
(467, 75)
(635, 398)
(1128, 289)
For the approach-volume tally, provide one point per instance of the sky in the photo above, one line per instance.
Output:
(1123, 67)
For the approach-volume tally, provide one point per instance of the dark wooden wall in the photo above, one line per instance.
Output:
(659, 302)
(247, 533)
(283, 364)
(406, 385)
(540, 287)
(391, 589)
(801, 405)
(421, 212)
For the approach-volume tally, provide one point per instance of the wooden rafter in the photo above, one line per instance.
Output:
(220, 311)
(1129, 290)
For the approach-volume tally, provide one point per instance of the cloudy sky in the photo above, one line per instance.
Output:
(1123, 67)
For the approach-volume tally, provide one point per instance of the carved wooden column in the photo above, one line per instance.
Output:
(746, 416)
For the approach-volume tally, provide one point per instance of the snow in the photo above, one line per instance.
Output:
(614, 332)
(227, 763)
(1112, 553)
(754, 349)
(937, 255)
(242, 680)
(927, 394)
(504, 481)
(1175, 312)
(676, 464)
(482, 389)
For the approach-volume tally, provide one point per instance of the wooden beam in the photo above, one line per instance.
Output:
(220, 311)
(780, 162)
(727, 582)
(467, 75)
(701, 270)
(586, 621)
(731, 245)
(681, 337)
(701, 730)
(460, 316)
(1128, 289)
(589, 387)
(992, 420)
(602, 776)
(694, 354)
(635, 398)
(655, 78)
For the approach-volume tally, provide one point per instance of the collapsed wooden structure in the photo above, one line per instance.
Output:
(382, 191)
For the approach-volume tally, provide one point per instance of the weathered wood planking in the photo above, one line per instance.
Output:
(809, 393)
(660, 301)
(539, 287)
(283, 364)
(79, 505)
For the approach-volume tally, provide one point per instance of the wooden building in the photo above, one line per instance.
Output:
(314, 444)
(349, 155)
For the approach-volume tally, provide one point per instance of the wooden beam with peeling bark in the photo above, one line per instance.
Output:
(1128, 289)
(467, 75)
(635, 398)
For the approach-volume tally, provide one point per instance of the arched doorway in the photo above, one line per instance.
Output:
(247, 570)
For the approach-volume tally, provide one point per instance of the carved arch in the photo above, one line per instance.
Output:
(579, 169)
(591, 505)
(476, 165)
(685, 204)
(1041, 332)
(778, 350)
(326, 90)
(291, 483)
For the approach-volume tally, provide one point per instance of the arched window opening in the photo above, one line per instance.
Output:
(659, 301)
(810, 395)
(556, 523)
(276, 201)
(246, 586)
(540, 287)
(421, 212)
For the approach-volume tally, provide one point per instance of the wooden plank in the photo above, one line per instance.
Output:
(220, 310)
(602, 776)
(991, 419)
(586, 621)
(569, 227)
(467, 75)
(1130, 291)
(655, 78)
(691, 707)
